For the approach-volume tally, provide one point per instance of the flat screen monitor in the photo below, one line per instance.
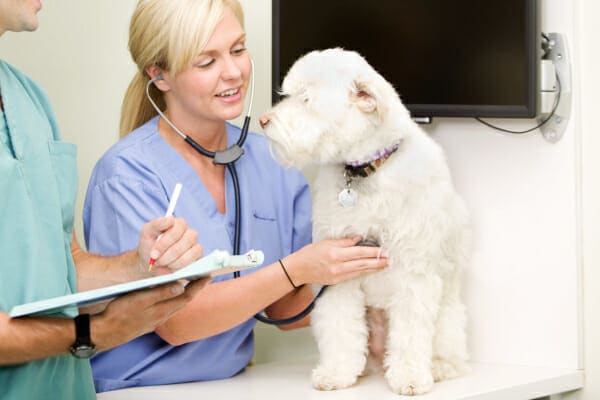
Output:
(446, 58)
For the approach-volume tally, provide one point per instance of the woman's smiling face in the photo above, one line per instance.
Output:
(214, 86)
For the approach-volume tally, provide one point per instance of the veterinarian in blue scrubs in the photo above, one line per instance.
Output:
(38, 184)
(204, 81)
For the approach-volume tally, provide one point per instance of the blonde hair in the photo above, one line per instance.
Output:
(168, 34)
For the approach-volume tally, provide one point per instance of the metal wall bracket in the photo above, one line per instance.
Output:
(555, 49)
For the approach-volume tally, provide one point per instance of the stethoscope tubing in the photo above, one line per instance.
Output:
(228, 158)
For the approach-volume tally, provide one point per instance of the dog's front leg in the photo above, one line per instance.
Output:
(412, 314)
(450, 342)
(340, 329)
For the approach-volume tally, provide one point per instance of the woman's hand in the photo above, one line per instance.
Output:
(333, 261)
(170, 242)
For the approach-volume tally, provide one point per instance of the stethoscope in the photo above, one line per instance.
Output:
(228, 157)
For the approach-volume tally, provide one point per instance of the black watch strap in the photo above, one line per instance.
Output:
(83, 346)
(82, 327)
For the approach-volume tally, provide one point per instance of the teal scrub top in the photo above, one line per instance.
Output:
(38, 184)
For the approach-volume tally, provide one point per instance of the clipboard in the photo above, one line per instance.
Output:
(216, 263)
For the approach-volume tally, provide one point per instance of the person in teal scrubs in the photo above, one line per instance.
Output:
(41, 258)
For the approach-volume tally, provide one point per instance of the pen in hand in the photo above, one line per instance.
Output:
(170, 209)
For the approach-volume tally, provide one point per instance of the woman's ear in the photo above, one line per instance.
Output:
(158, 76)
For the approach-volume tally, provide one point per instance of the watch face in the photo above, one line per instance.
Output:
(83, 351)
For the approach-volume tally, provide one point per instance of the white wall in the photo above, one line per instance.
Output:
(531, 201)
(589, 34)
(522, 288)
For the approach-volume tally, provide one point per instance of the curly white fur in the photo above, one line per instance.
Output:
(338, 109)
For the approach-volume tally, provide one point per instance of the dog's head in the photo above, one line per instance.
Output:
(335, 108)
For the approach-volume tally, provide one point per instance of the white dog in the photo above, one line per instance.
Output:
(381, 177)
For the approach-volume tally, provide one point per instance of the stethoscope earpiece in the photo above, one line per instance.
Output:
(158, 77)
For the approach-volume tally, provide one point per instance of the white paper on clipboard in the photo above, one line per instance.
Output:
(214, 263)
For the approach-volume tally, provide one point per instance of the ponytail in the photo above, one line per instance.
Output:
(136, 109)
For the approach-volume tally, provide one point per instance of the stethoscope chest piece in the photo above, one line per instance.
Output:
(229, 155)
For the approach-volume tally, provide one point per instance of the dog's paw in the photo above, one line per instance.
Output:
(332, 378)
(409, 382)
(443, 369)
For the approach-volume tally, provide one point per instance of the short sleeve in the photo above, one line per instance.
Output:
(115, 211)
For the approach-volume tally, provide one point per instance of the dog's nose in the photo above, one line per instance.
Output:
(264, 121)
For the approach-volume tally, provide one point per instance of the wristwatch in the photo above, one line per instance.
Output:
(83, 346)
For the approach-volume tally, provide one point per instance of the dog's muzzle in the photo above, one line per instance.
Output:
(264, 121)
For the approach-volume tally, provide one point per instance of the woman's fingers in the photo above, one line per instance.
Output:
(367, 264)
(360, 252)
(355, 268)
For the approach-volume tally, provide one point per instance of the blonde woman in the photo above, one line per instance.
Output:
(199, 47)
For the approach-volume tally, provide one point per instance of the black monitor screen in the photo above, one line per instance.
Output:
(444, 57)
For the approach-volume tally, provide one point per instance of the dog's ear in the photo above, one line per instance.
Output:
(370, 100)
(363, 97)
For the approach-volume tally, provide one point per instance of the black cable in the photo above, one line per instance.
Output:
(296, 317)
(545, 37)
(198, 148)
(238, 208)
(554, 107)
(245, 128)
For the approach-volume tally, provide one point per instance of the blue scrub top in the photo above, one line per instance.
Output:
(38, 184)
(131, 185)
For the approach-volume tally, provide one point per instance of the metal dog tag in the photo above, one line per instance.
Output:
(347, 197)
